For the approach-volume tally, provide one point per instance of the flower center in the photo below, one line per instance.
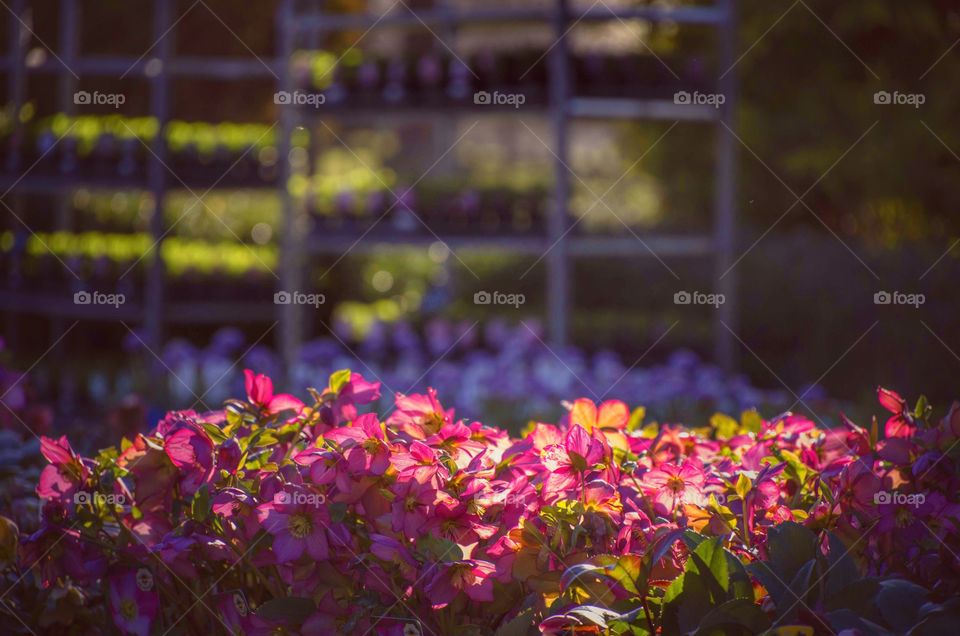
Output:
(300, 525)
(676, 485)
(433, 422)
(128, 609)
(462, 577)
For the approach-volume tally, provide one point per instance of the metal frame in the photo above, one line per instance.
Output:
(562, 110)
(291, 27)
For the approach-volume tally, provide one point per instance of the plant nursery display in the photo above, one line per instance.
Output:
(321, 516)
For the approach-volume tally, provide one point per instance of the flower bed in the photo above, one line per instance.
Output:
(498, 371)
(281, 516)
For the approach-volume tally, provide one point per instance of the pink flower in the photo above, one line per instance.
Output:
(419, 416)
(412, 505)
(260, 393)
(134, 602)
(566, 464)
(365, 444)
(65, 474)
(296, 527)
(670, 485)
(419, 462)
(355, 391)
(471, 577)
(610, 418)
(191, 450)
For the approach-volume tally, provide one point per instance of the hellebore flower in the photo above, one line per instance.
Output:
(566, 464)
(357, 390)
(296, 527)
(191, 450)
(671, 484)
(412, 506)
(419, 462)
(65, 474)
(365, 444)
(471, 577)
(420, 416)
(610, 418)
(260, 393)
(134, 603)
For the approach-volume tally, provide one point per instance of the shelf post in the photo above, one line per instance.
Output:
(725, 193)
(289, 315)
(558, 262)
(157, 183)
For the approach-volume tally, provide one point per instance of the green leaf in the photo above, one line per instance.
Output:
(842, 571)
(899, 603)
(725, 426)
(636, 419)
(201, 505)
(291, 608)
(594, 615)
(626, 570)
(737, 616)
(790, 546)
(214, 432)
(751, 421)
(339, 379)
(520, 625)
(743, 486)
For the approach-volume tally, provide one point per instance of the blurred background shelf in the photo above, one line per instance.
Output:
(294, 158)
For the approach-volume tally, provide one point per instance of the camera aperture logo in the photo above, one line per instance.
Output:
(698, 298)
(86, 498)
(896, 98)
(299, 98)
(498, 298)
(696, 98)
(297, 498)
(884, 497)
(496, 98)
(98, 298)
(96, 98)
(899, 298)
(298, 298)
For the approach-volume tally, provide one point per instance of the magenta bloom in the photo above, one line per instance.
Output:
(420, 416)
(365, 444)
(134, 602)
(471, 577)
(412, 506)
(65, 474)
(298, 522)
(419, 462)
(191, 450)
(357, 390)
(567, 463)
(670, 484)
(260, 392)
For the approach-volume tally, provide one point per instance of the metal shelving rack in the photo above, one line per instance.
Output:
(562, 109)
(293, 26)
(159, 67)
